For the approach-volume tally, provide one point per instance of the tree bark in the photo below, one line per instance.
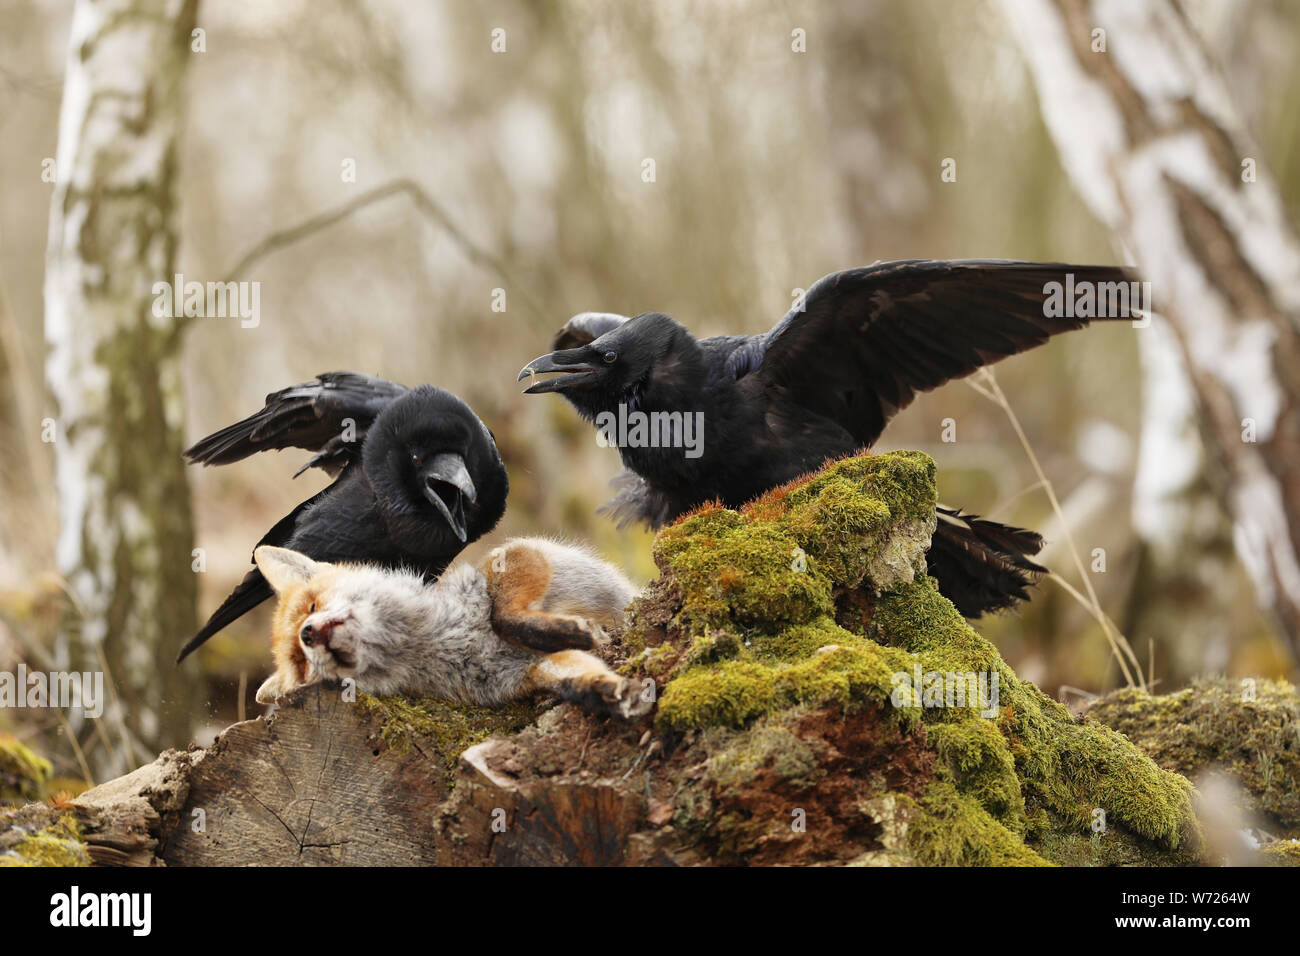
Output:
(1148, 133)
(126, 529)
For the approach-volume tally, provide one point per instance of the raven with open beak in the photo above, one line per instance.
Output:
(822, 383)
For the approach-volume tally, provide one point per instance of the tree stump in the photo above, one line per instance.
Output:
(312, 784)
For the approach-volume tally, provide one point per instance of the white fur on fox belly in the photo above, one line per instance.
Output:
(448, 650)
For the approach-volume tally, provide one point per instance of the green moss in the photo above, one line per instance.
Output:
(953, 829)
(975, 757)
(1281, 853)
(756, 634)
(658, 660)
(900, 481)
(917, 618)
(24, 775)
(732, 573)
(1067, 845)
(59, 844)
(730, 694)
(1101, 769)
(799, 642)
(454, 728)
(715, 647)
(756, 590)
(1071, 769)
(848, 517)
(776, 561)
(852, 674)
(1250, 731)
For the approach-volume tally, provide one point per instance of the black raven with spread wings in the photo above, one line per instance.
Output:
(417, 477)
(822, 383)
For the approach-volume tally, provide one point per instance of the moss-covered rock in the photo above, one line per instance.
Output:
(813, 599)
(1250, 730)
(861, 522)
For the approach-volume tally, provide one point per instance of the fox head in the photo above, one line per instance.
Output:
(328, 620)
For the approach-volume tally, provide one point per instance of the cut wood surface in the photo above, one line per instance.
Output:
(312, 784)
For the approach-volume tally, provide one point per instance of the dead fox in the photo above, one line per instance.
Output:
(521, 622)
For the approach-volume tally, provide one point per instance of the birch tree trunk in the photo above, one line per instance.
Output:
(1146, 129)
(126, 529)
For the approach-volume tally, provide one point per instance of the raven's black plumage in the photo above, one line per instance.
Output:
(418, 477)
(822, 383)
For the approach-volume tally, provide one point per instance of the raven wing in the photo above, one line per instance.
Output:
(867, 340)
(586, 327)
(313, 415)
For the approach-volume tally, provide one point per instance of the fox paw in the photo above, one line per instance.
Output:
(593, 630)
(628, 698)
(582, 633)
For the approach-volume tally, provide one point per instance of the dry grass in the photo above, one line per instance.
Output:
(986, 384)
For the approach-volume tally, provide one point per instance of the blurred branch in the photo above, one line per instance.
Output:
(46, 87)
(424, 203)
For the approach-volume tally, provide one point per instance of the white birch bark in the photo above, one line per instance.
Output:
(126, 529)
(1149, 135)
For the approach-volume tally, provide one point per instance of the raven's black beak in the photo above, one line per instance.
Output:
(570, 363)
(447, 475)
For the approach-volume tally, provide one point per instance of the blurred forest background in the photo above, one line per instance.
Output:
(771, 169)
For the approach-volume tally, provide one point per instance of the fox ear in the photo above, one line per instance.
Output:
(273, 687)
(283, 568)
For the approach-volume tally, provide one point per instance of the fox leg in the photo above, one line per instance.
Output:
(548, 632)
(586, 681)
(518, 578)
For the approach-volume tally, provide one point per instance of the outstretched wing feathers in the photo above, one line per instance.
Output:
(866, 341)
(312, 415)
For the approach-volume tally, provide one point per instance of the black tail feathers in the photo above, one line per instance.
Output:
(981, 565)
(251, 592)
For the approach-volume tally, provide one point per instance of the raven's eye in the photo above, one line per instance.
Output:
(415, 459)
(610, 357)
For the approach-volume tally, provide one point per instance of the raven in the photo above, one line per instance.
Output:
(417, 476)
(821, 384)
